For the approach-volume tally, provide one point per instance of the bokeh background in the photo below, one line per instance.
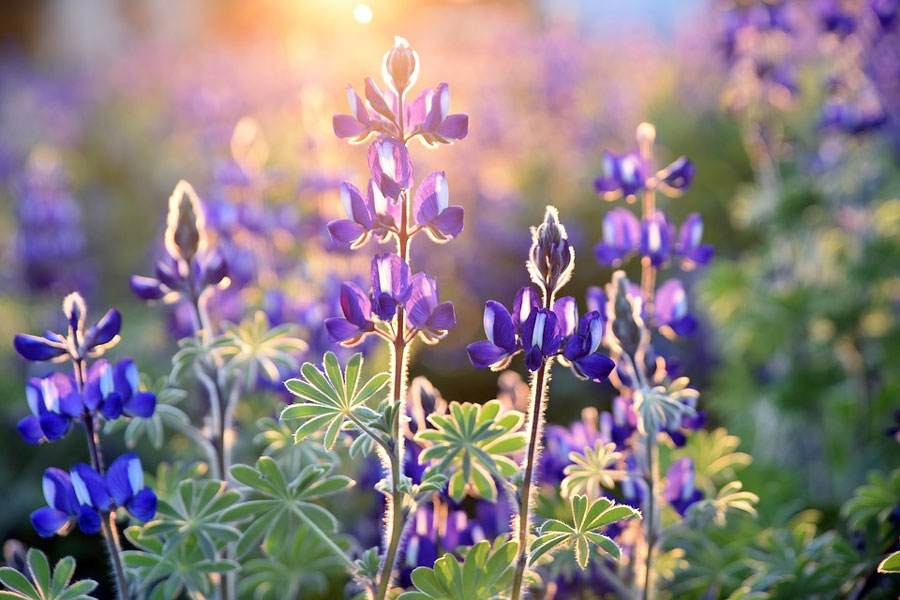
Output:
(792, 118)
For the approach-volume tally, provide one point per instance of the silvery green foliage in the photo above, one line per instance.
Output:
(485, 574)
(40, 582)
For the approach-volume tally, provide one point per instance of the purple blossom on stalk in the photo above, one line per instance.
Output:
(63, 508)
(527, 300)
(54, 403)
(432, 210)
(372, 214)
(357, 320)
(671, 308)
(115, 390)
(621, 237)
(431, 318)
(391, 166)
(689, 247)
(390, 284)
(541, 337)
(627, 175)
(501, 344)
(656, 239)
(189, 266)
(429, 117)
(78, 343)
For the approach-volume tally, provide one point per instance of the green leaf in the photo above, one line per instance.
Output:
(330, 402)
(486, 574)
(474, 445)
(46, 583)
(583, 531)
(891, 564)
(253, 347)
(592, 471)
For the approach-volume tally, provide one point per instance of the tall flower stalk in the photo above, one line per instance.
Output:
(400, 306)
(545, 329)
(87, 495)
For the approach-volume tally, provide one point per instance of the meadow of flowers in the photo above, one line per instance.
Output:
(284, 321)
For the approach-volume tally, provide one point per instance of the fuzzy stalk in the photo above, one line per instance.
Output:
(650, 520)
(108, 523)
(535, 427)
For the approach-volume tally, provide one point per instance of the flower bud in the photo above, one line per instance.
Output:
(551, 259)
(75, 310)
(186, 225)
(400, 67)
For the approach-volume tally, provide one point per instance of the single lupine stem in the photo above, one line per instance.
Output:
(535, 425)
(400, 357)
(646, 137)
(650, 512)
(108, 518)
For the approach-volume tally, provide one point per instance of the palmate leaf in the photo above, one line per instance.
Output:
(731, 498)
(592, 470)
(274, 505)
(252, 347)
(582, 532)
(42, 583)
(873, 502)
(473, 441)
(162, 570)
(485, 574)
(305, 564)
(333, 399)
(662, 407)
(194, 515)
(715, 459)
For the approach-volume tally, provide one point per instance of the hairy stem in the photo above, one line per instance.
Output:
(650, 513)
(538, 391)
(108, 522)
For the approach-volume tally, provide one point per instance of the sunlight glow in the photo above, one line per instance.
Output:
(362, 13)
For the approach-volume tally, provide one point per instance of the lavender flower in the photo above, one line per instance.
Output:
(432, 210)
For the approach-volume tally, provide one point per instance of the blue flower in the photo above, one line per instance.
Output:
(63, 508)
(541, 337)
(431, 318)
(54, 402)
(125, 483)
(621, 237)
(115, 391)
(501, 343)
(356, 322)
(656, 238)
(390, 284)
(688, 246)
(432, 210)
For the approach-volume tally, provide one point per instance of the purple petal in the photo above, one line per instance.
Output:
(596, 299)
(340, 330)
(671, 302)
(566, 310)
(53, 425)
(105, 329)
(526, 301)
(32, 347)
(345, 232)
(90, 487)
(30, 429)
(390, 275)
(534, 359)
(357, 207)
(454, 127)
(346, 126)
(111, 408)
(391, 166)
(143, 505)
(376, 99)
(147, 288)
(142, 404)
(431, 198)
(423, 299)
(418, 109)
(58, 491)
(443, 317)
(595, 366)
(450, 222)
(117, 480)
(439, 107)
(48, 521)
(356, 306)
(484, 354)
(88, 520)
(214, 268)
(499, 327)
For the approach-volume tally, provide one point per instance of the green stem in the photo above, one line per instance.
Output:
(534, 427)
(650, 515)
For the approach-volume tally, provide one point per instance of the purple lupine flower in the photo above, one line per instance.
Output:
(79, 343)
(391, 166)
(581, 349)
(541, 337)
(400, 66)
(671, 308)
(622, 175)
(621, 237)
(90, 487)
(63, 509)
(357, 125)
(432, 210)
(634, 487)
(527, 300)
(656, 238)
(425, 313)
(189, 267)
(356, 322)
(353, 231)
(501, 344)
(835, 18)
(390, 284)
(688, 246)
(125, 483)
(676, 177)
(679, 491)
(566, 310)
(115, 391)
(54, 402)
(429, 117)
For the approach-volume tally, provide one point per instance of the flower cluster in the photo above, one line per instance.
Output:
(189, 267)
(82, 495)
